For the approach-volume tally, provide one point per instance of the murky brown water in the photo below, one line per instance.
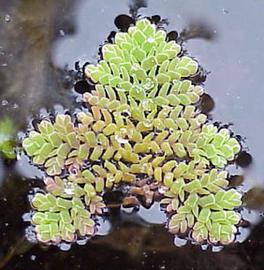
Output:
(38, 39)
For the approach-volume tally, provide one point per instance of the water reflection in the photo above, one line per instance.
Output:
(27, 72)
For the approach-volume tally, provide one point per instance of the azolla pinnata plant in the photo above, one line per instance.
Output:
(143, 124)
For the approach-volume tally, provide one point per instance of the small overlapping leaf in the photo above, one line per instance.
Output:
(58, 219)
(221, 200)
(219, 227)
(207, 209)
(141, 59)
(51, 145)
(216, 146)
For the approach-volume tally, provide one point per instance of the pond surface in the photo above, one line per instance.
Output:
(39, 40)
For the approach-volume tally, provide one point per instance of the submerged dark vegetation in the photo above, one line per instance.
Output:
(142, 133)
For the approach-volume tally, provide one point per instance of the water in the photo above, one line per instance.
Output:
(38, 40)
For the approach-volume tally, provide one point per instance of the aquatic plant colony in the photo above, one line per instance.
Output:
(144, 125)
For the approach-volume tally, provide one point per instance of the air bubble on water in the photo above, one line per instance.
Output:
(179, 242)
(2, 52)
(145, 254)
(134, 67)
(7, 18)
(162, 189)
(33, 257)
(128, 210)
(150, 40)
(27, 217)
(65, 246)
(62, 33)
(4, 102)
(104, 227)
(204, 247)
(217, 248)
(120, 140)
(82, 242)
(31, 235)
(242, 235)
(68, 188)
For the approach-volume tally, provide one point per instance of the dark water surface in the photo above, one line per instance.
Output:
(38, 39)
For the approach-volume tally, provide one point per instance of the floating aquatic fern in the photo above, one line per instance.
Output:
(58, 219)
(143, 123)
(140, 60)
(200, 203)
